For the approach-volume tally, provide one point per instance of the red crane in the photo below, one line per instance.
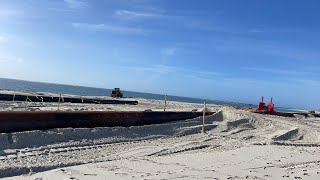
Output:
(271, 108)
(261, 105)
(266, 109)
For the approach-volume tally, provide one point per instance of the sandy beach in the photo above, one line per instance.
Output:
(159, 90)
(236, 145)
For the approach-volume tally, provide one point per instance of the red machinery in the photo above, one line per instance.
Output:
(261, 105)
(264, 109)
(271, 107)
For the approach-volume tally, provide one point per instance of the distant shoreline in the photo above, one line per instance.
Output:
(84, 90)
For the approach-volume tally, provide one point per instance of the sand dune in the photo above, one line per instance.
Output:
(237, 145)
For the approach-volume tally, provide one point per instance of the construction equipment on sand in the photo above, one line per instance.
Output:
(116, 93)
(270, 109)
(262, 108)
(261, 105)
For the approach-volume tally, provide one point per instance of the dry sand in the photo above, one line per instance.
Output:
(237, 145)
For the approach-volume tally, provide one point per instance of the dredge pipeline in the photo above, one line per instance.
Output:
(15, 121)
(33, 98)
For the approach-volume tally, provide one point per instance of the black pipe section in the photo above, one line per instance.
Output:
(16, 121)
(11, 97)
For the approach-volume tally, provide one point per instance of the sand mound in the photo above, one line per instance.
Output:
(290, 135)
(102, 135)
(300, 135)
(236, 121)
(241, 123)
(238, 126)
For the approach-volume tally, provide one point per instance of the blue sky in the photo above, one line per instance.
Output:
(225, 50)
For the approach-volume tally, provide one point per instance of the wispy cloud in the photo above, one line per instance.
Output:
(2, 38)
(256, 30)
(178, 71)
(6, 13)
(270, 48)
(281, 71)
(273, 71)
(203, 74)
(76, 4)
(106, 27)
(310, 83)
(130, 15)
(9, 59)
(169, 51)
(159, 69)
(61, 10)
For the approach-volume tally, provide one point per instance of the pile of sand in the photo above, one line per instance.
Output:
(229, 132)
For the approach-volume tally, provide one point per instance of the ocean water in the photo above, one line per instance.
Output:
(12, 84)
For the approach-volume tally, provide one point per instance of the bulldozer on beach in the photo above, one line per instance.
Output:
(116, 93)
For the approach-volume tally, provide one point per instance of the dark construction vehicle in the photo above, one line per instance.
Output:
(116, 93)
